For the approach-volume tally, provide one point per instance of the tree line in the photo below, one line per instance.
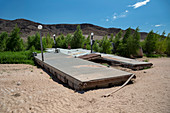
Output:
(127, 45)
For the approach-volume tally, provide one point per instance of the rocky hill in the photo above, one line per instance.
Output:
(29, 28)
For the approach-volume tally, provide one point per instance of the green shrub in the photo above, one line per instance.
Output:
(3, 41)
(22, 57)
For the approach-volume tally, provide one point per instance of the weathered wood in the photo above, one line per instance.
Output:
(90, 56)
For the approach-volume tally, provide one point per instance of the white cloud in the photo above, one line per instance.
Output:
(158, 25)
(114, 17)
(139, 4)
(121, 15)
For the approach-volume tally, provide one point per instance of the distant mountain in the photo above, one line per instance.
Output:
(29, 28)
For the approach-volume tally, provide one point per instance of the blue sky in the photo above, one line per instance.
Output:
(147, 14)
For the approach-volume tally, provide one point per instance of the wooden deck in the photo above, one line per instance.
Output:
(81, 74)
(126, 62)
(113, 59)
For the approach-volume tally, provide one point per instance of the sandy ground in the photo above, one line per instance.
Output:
(26, 88)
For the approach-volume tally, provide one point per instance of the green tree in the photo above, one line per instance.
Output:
(100, 42)
(63, 42)
(136, 37)
(15, 43)
(150, 43)
(60, 41)
(44, 43)
(168, 44)
(35, 41)
(136, 42)
(86, 42)
(30, 40)
(121, 49)
(96, 47)
(127, 35)
(116, 41)
(3, 41)
(68, 40)
(160, 43)
(32, 49)
(130, 44)
(88, 46)
(49, 41)
(106, 46)
(161, 46)
(111, 37)
(77, 38)
(124, 47)
(131, 50)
